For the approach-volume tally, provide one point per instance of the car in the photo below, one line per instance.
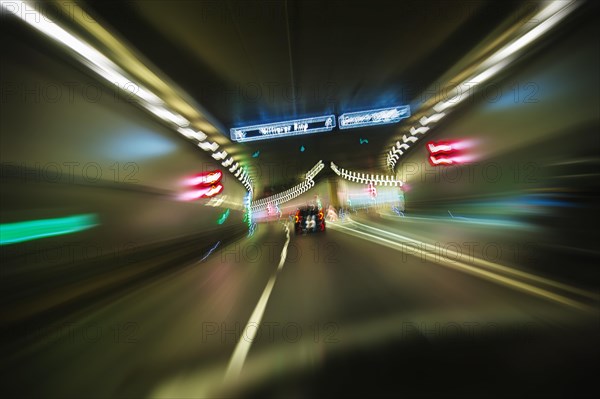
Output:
(309, 219)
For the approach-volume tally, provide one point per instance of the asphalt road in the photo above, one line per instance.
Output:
(324, 314)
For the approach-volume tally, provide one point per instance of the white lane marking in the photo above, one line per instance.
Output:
(475, 270)
(249, 333)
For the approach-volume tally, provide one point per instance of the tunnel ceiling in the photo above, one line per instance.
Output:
(238, 61)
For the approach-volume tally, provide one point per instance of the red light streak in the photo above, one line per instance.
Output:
(205, 179)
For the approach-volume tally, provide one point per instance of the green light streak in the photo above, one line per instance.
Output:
(13, 233)
(223, 217)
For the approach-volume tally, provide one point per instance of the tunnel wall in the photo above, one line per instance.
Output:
(533, 131)
(74, 146)
(533, 134)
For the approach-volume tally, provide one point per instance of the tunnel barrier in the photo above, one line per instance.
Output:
(366, 178)
(293, 192)
(308, 183)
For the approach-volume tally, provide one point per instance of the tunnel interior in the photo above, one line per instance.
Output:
(148, 251)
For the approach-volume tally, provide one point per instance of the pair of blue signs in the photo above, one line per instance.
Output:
(317, 124)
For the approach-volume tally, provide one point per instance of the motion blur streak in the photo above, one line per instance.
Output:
(547, 18)
(448, 259)
(129, 78)
(223, 217)
(472, 280)
(12, 233)
(210, 251)
(100, 63)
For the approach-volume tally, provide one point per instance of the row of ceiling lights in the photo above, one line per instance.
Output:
(107, 69)
(539, 24)
(548, 17)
